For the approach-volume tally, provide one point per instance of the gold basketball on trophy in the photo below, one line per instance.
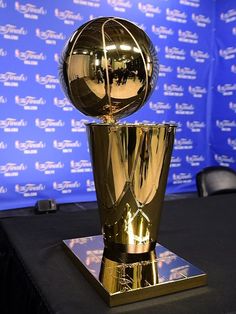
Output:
(108, 68)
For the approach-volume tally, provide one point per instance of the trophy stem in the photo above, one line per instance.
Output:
(130, 166)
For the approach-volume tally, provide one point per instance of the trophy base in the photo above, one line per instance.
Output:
(121, 283)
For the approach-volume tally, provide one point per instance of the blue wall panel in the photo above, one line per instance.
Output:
(43, 144)
(223, 107)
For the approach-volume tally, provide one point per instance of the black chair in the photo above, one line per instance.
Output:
(216, 180)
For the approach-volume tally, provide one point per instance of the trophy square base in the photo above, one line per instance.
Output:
(121, 283)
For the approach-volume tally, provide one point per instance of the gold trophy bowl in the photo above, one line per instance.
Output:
(131, 164)
(108, 70)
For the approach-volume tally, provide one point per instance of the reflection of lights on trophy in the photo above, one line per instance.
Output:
(130, 161)
(108, 70)
(101, 44)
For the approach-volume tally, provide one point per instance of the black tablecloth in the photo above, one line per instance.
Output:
(38, 277)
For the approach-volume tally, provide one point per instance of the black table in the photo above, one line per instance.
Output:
(38, 277)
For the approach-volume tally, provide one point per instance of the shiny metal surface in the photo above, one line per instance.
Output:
(127, 278)
(130, 165)
(117, 275)
(115, 46)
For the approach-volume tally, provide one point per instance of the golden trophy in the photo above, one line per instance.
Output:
(108, 69)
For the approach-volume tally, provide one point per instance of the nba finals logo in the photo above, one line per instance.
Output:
(183, 144)
(148, 9)
(66, 187)
(63, 103)
(29, 189)
(29, 147)
(12, 32)
(48, 167)
(12, 79)
(181, 178)
(81, 166)
(49, 36)
(199, 55)
(12, 124)
(29, 102)
(69, 17)
(11, 169)
(29, 10)
(66, 146)
(30, 57)
(120, 5)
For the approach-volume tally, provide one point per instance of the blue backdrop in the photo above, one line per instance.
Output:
(43, 143)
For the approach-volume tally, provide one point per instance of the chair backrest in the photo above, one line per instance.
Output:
(216, 180)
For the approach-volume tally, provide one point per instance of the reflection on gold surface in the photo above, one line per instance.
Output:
(118, 276)
(122, 278)
(108, 68)
(130, 164)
